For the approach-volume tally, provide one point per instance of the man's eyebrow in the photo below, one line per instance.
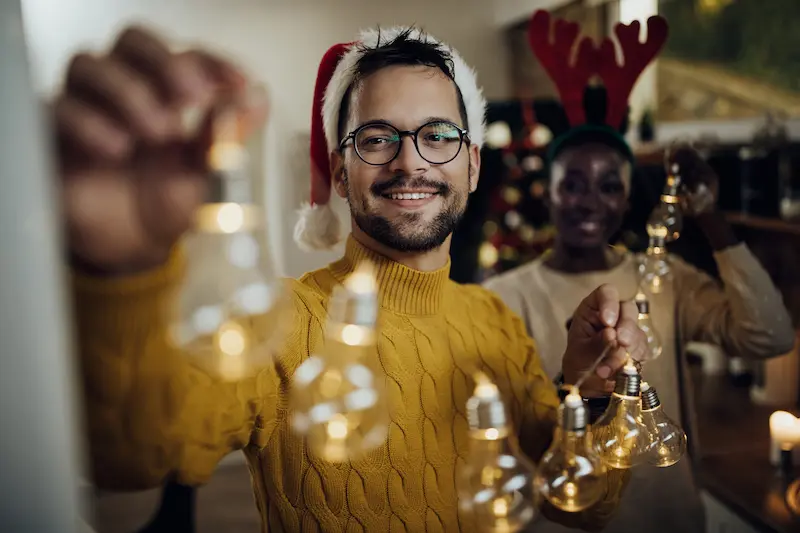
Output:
(424, 121)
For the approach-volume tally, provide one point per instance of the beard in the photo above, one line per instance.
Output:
(408, 232)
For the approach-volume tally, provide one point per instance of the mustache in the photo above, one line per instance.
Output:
(397, 182)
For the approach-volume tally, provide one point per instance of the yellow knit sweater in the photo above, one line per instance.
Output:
(151, 414)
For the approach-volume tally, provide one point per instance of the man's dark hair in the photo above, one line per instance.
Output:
(405, 50)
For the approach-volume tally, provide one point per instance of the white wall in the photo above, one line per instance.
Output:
(280, 42)
(508, 12)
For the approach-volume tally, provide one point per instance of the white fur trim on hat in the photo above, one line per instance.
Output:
(317, 228)
(465, 79)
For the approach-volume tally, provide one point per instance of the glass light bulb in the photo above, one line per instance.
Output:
(654, 269)
(231, 310)
(666, 220)
(619, 436)
(646, 325)
(337, 398)
(570, 474)
(495, 483)
(667, 439)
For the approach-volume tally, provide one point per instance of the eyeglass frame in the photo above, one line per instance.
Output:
(463, 135)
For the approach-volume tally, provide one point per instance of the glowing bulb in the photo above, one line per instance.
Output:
(498, 135)
(337, 397)
(654, 270)
(619, 435)
(231, 309)
(570, 474)
(647, 326)
(496, 482)
(667, 216)
(667, 439)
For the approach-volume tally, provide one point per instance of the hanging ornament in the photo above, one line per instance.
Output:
(570, 473)
(654, 270)
(498, 135)
(489, 229)
(538, 189)
(541, 136)
(487, 255)
(666, 220)
(511, 195)
(513, 219)
(508, 253)
(532, 163)
(667, 439)
(527, 234)
(510, 160)
(495, 486)
(338, 399)
(619, 435)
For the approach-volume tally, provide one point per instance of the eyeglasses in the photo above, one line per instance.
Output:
(437, 142)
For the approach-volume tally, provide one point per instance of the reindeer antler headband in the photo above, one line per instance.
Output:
(555, 50)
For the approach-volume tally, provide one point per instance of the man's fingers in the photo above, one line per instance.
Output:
(80, 125)
(215, 70)
(122, 93)
(596, 386)
(147, 54)
(601, 308)
(627, 326)
(613, 361)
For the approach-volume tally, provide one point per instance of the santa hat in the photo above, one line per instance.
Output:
(318, 227)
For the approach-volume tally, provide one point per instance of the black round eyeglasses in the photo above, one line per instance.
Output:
(377, 143)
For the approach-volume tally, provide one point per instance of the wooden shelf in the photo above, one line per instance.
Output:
(774, 225)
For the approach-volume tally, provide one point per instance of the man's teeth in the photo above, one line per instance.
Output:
(411, 196)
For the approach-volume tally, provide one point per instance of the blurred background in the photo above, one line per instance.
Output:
(729, 80)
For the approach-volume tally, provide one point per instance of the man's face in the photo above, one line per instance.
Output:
(408, 204)
(589, 188)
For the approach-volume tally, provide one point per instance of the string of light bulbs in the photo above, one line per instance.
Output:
(229, 313)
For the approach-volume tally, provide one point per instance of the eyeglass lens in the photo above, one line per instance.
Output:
(437, 143)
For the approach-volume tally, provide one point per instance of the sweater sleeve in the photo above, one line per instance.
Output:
(745, 316)
(539, 408)
(149, 413)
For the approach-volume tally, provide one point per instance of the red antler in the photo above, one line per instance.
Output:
(570, 80)
(620, 79)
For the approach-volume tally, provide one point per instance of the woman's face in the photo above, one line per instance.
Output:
(589, 187)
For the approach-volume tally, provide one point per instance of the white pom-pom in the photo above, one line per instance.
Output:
(318, 228)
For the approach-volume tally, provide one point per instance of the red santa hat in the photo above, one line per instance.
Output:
(318, 227)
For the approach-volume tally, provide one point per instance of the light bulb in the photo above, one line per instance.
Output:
(231, 309)
(666, 220)
(647, 326)
(338, 398)
(570, 474)
(619, 435)
(667, 439)
(496, 483)
(654, 270)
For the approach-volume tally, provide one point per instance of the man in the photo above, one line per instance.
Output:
(403, 141)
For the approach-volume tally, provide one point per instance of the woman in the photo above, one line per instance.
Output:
(590, 181)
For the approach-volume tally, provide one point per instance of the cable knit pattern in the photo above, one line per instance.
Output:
(151, 414)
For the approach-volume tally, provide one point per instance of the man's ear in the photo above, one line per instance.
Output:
(337, 173)
(474, 167)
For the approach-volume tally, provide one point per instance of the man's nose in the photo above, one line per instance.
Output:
(408, 161)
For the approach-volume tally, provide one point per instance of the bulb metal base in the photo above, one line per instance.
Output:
(649, 398)
(486, 411)
(229, 187)
(628, 382)
(348, 306)
(573, 415)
